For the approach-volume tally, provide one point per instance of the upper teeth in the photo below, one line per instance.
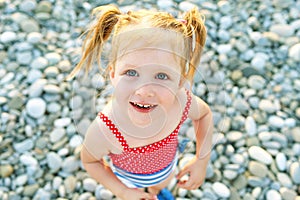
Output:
(143, 105)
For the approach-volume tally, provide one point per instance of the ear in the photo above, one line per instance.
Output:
(182, 81)
(112, 75)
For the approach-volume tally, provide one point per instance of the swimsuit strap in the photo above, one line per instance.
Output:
(155, 145)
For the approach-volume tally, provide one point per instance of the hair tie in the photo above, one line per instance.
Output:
(182, 21)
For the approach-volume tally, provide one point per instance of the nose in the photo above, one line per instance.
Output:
(145, 91)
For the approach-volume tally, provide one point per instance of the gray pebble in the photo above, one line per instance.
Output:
(54, 161)
(36, 89)
(258, 169)
(57, 134)
(30, 25)
(24, 146)
(28, 160)
(28, 5)
(39, 63)
(256, 82)
(70, 164)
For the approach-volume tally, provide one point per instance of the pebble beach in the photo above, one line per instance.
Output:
(249, 75)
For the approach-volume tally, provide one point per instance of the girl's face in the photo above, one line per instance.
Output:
(146, 83)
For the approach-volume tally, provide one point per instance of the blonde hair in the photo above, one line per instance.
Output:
(109, 18)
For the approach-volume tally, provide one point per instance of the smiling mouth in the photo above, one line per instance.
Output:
(143, 107)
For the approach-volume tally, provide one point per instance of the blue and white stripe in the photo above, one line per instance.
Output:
(133, 180)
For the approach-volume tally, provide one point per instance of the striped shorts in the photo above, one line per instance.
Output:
(133, 180)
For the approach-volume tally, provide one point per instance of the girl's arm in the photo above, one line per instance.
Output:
(95, 147)
(201, 115)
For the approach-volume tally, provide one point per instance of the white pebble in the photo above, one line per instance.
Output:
(259, 154)
(89, 184)
(221, 190)
(8, 36)
(36, 107)
(273, 195)
(281, 161)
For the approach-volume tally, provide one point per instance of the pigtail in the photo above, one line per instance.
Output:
(106, 19)
(197, 37)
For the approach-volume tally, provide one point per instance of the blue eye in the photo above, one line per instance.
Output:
(162, 76)
(131, 72)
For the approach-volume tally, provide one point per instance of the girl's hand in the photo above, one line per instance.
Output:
(196, 170)
(136, 194)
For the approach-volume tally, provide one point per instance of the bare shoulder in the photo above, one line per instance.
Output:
(199, 108)
(96, 143)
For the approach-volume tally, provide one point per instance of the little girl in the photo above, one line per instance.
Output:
(153, 57)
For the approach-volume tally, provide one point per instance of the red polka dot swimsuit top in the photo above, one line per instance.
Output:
(150, 158)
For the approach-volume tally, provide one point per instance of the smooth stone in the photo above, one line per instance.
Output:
(70, 164)
(28, 160)
(21, 180)
(8, 36)
(34, 75)
(250, 126)
(221, 190)
(241, 105)
(288, 194)
(75, 102)
(30, 25)
(267, 106)
(281, 161)
(24, 58)
(224, 6)
(295, 172)
(258, 169)
(57, 134)
(62, 122)
(54, 161)
(36, 107)
(52, 89)
(15, 103)
(259, 154)
(6, 170)
(197, 193)
(230, 174)
(255, 181)
(234, 136)
(51, 72)
(284, 180)
(273, 195)
(256, 82)
(296, 134)
(24, 146)
(53, 107)
(64, 65)
(44, 6)
(106, 194)
(75, 141)
(186, 6)
(7, 78)
(258, 63)
(276, 121)
(34, 37)
(30, 190)
(165, 4)
(294, 52)
(283, 30)
(39, 63)
(36, 89)
(28, 5)
(89, 184)
(70, 184)
(41, 142)
(53, 58)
